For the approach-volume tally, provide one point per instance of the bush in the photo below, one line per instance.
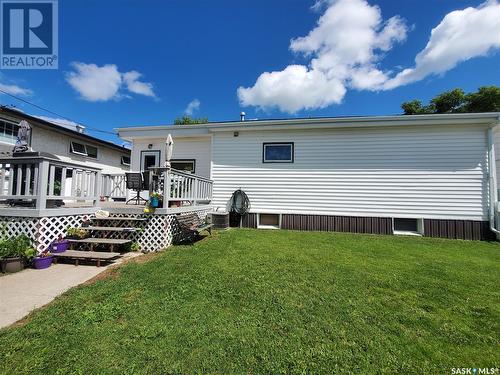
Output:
(19, 246)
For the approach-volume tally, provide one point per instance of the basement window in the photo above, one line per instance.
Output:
(408, 226)
(268, 221)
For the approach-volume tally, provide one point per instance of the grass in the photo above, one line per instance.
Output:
(251, 301)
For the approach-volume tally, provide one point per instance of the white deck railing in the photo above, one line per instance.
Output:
(42, 183)
(114, 186)
(181, 188)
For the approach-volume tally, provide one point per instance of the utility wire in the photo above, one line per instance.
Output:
(54, 113)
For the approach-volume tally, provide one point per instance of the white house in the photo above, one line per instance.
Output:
(67, 143)
(425, 174)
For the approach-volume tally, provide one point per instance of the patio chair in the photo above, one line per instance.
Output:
(135, 182)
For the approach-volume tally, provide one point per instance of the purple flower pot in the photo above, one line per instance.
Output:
(59, 246)
(41, 263)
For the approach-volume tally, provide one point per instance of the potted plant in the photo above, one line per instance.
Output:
(154, 199)
(43, 260)
(60, 245)
(76, 233)
(12, 253)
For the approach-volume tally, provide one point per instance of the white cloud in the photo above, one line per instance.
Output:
(102, 83)
(461, 35)
(193, 106)
(131, 80)
(344, 49)
(15, 90)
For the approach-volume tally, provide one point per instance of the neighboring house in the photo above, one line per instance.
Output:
(426, 174)
(67, 143)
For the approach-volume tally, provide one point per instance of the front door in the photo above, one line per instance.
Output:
(149, 158)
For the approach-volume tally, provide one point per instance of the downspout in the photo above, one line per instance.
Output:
(492, 180)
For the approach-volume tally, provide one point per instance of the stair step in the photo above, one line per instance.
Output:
(117, 219)
(112, 229)
(106, 241)
(93, 255)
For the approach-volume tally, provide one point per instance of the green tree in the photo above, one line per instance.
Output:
(188, 120)
(486, 99)
(413, 107)
(449, 101)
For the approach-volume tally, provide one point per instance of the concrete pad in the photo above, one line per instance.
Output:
(22, 292)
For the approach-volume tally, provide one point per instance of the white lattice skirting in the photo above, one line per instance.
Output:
(43, 230)
(156, 233)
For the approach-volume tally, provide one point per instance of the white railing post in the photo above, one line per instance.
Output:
(195, 191)
(97, 188)
(42, 184)
(166, 188)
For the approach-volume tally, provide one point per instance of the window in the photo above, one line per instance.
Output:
(269, 221)
(278, 153)
(184, 165)
(8, 132)
(407, 226)
(83, 150)
(91, 151)
(126, 160)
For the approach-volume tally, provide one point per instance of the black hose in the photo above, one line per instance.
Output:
(240, 203)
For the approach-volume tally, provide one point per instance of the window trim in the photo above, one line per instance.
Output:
(418, 232)
(185, 161)
(292, 144)
(72, 149)
(123, 163)
(86, 154)
(264, 226)
(149, 152)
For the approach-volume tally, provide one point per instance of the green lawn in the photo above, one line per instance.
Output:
(248, 301)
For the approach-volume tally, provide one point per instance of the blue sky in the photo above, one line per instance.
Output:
(203, 51)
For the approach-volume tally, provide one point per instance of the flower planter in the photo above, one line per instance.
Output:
(59, 246)
(12, 265)
(154, 202)
(41, 263)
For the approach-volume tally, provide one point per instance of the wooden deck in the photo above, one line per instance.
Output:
(77, 208)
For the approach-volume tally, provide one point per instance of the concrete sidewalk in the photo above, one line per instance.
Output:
(22, 292)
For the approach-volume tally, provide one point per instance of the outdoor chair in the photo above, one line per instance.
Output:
(134, 181)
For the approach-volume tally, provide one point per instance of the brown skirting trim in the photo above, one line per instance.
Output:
(249, 221)
(453, 229)
(458, 229)
(353, 224)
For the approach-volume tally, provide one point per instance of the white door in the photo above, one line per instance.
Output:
(149, 158)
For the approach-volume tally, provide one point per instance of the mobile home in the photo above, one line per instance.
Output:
(431, 175)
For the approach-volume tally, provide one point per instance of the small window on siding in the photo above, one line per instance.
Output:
(91, 151)
(78, 148)
(184, 165)
(126, 160)
(83, 150)
(278, 152)
(407, 226)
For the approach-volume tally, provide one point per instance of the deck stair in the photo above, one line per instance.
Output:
(110, 233)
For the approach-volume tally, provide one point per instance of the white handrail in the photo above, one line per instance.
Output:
(40, 179)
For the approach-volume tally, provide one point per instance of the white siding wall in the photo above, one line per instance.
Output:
(58, 143)
(184, 148)
(417, 172)
(496, 142)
